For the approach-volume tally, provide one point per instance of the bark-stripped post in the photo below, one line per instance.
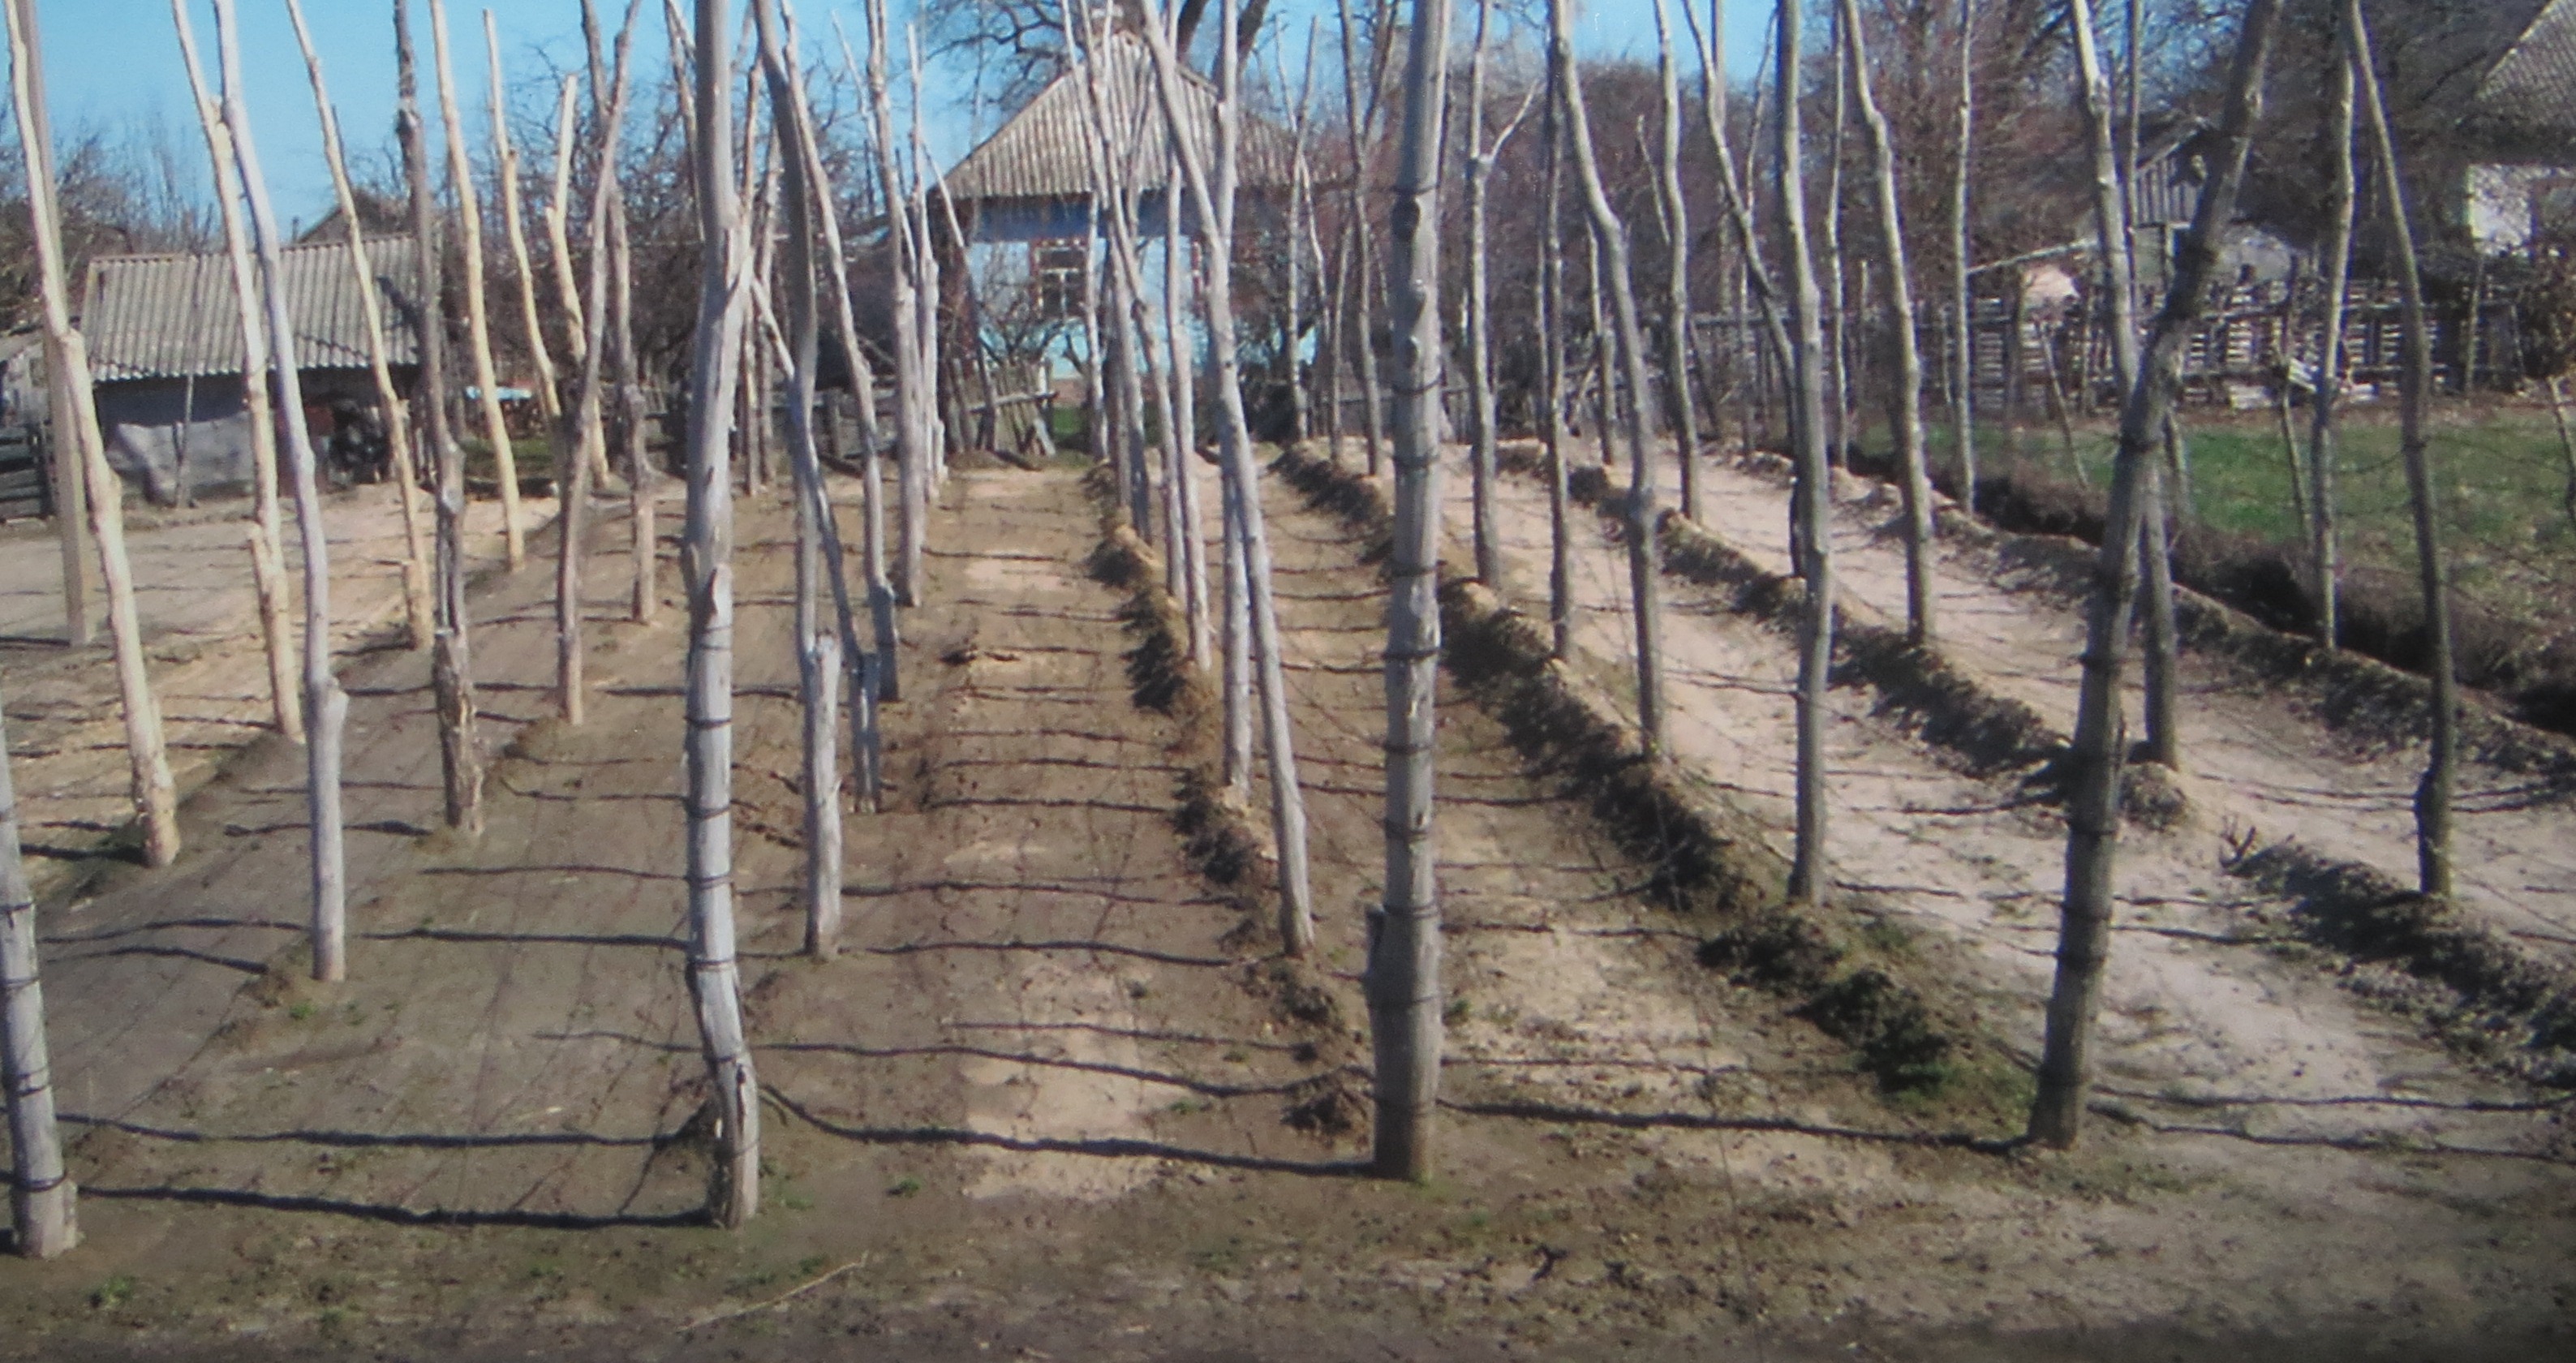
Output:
(642, 547)
(1738, 204)
(1300, 228)
(1130, 334)
(558, 213)
(451, 662)
(505, 159)
(870, 668)
(1480, 306)
(1551, 340)
(1362, 123)
(267, 546)
(1403, 980)
(818, 642)
(1610, 237)
(1807, 870)
(2111, 230)
(926, 284)
(1677, 299)
(1838, 401)
(706, 566)
(1905, 398)
(41, 1195)
(2335, 253)
(912, 398)
(2433, 793)
(1213, 198)
(478, 326)
(70, 473)
(326, 706)
(579, 439)
(2095, 757)
(1963, 317)
(67, 357)
(418, 613)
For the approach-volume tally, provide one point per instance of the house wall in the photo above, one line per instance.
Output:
(175, 440)
(2503, 205)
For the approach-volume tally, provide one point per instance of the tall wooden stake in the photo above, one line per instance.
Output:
(2096, 757)
(1362, 122)
(70, 471)
(2335, 253)
(418, 613)
(267, 545)
(451, 663)
(1807, 869)
(913, 399)
(67, 357)
(1963, 317)
(1551, 339)
(325, 704)
(41, 1195)
(1677, 299)
(478, 326)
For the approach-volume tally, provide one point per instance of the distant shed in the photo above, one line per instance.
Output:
(166, 354)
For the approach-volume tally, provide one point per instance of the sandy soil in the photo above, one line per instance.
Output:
(1038, 1109)
(2255, 759)
(209, 670)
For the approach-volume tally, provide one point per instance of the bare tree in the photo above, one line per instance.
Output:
(267, 544)
(1963, 316)
(41, 1195)
(326, 706)
(67, 359)
(1403, 980)
(707, 569)
(1807, 872)
(478, 327)
(2326, 396)
(1905, 397)
(2095, 757)
(451, 664)
(418, 612)
(1213, 198)
(2433, 793)
(1610, 238)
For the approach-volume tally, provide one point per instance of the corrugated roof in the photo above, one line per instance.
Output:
(172, 316)
(1042, 152)
(2532, 89)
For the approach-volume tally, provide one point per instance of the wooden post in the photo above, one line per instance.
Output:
(1963, 320)
(1644, 517)
(325, 704)
(267, 548)
(1812, 512)
(1551, 333)
(1362, 122)
(2335, 253)
(707, 568)
(594, 449)
(41, 1194)
(418, 613)
(67, 357)
(557, 218)
(1403, 979)
(2433, 793)
(1677, 298)
(478, 327)
(451, 664)
(912, 399)
(2096, 755)
(1214, 200)
(1905, 397)
(70, 473)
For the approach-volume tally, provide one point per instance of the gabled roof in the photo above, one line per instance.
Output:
(2530, 93)
(1043, 151)
(173, 316)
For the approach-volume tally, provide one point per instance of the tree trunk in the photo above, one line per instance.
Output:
(1403, 972)
(70, 472)
(2433, 793)
(1551, 333)
(325, 704)
(1480, 338)
(707, 569)
(67, 357)
(478, 327)
(2335, 253)
(41, 1195)
(1644, 517)
(505, 160)
(267, 548)
(2095, 757)
(1838, 438)
(558, 212)
(911, 395)
(1362, 121)
(451, 669)
(1677, 298)
(1807, 871)
(1905, 397)
(1963, 318)
(1215, 204)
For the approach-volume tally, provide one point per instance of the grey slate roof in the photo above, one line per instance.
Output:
(173, 316)
(2531, 90)
(1041, 152)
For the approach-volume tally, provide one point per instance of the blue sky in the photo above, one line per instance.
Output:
(113, 66)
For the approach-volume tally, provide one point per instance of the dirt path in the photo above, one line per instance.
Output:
(2204, 1024)
(2255, 759)
(1039, 1106)
(208, 667)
